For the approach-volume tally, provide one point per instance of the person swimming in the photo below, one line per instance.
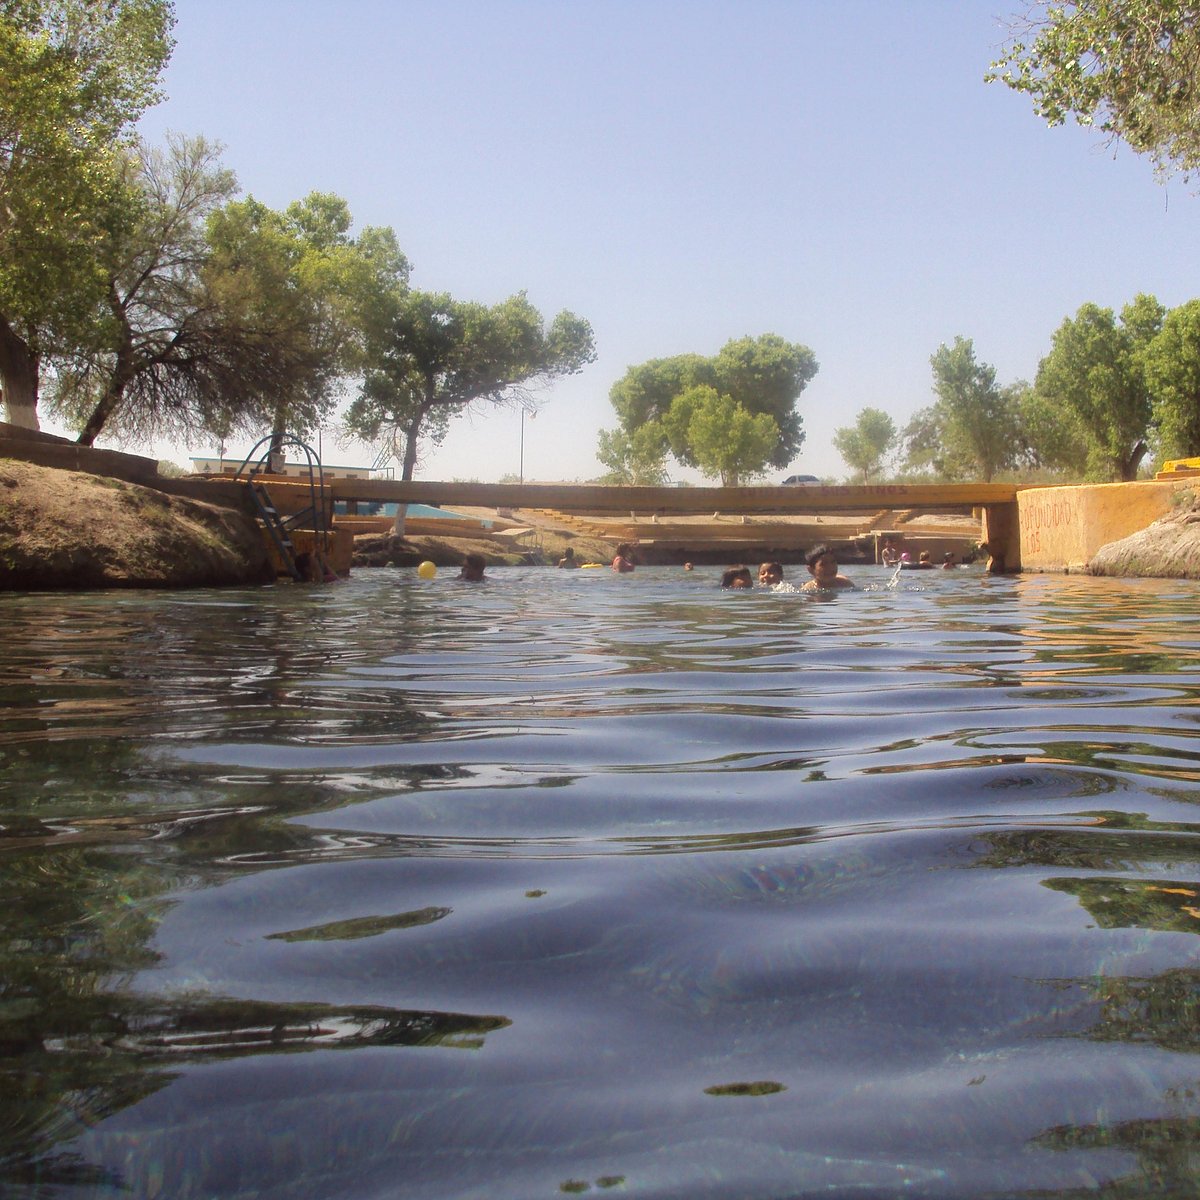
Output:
(472, 568)
(623, 562)
(823, 567)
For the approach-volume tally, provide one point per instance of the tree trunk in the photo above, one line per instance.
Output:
(18, 377)
(100, 414)
(122, 374)
(1129, 468)
(407, 468)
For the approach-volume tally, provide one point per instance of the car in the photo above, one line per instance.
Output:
(800, 481)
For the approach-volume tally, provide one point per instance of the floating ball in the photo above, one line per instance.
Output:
(427, 570)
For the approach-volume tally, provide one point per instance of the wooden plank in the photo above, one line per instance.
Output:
(592, 498)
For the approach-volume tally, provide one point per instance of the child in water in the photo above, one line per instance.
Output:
(770, 574)
(823, 567)
(624, 560)
(472, 568)
(737, 577)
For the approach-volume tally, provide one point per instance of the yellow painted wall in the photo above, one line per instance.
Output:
(338, 555)
(1063, 527)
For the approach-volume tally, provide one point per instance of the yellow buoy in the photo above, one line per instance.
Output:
(427, 570)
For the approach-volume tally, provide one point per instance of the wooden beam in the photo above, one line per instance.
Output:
(591, 498)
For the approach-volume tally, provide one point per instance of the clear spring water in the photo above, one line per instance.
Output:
(572, 882)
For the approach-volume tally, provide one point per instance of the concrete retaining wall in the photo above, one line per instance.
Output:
(1063, 527)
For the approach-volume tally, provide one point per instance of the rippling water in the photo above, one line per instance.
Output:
(573, 882)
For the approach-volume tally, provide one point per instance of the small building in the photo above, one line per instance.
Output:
(229, 466)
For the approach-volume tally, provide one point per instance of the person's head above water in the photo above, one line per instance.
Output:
(472, 568)
(770, 573)
(737, 577)
(823, 566)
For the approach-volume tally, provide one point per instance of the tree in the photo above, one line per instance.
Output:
(865, 444)
(723, 438)
(307, 285)
(1054, 437)
(437, 356)
(1172, 365)
(1094, 372)
(637, 459)
(1128, 67)
(761, 376)
(972, 428)
(74, 77)
(219, 315)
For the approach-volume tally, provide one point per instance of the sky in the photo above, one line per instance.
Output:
(684, 172)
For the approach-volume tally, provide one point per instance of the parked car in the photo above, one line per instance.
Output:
(800, 481)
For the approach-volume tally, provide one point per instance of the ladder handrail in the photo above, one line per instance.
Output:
(275, 443)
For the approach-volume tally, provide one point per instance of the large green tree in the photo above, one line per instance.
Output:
(1095, 373)
(435, 357)
(757, 376)
(75, 75)
(866, 444)
(1172, 367)
(973, 428)
(221, 315)
(1128, 67)
(720, 436)
(637, 459)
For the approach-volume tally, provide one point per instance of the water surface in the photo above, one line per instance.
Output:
(572, 882)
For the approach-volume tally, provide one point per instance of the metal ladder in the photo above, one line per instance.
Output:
(257, 463)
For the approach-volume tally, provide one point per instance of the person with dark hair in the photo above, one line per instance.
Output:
(568, 559)
(472, 568)
(823, 567)
(624, 559)
(737, 577)
(770, 574)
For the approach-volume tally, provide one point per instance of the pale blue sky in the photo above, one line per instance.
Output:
(681, 172)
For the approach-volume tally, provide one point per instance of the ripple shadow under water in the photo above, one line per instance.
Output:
(576, 882)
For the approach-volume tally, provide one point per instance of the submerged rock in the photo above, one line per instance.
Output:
(1168, 549)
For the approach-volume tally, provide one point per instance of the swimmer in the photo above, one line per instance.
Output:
(568, 559)
(623, 562)
(823, 567)
(472, 568)
(923, 563)
(737, 577)
(770, 574)
(308, 569)
(313, 568)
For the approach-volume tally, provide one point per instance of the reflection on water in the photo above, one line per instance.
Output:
(730, 895)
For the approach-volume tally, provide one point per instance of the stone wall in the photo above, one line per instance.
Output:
(1063, 527)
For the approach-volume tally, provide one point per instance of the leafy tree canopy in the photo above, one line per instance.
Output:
(74, 77)
(221, 315)
(1095, 375)
(972, 429)
(760, 376)
(721, 436)
(437, 356)
(1128, 67)
(637, 459)
(1172, 365)
(865, 444)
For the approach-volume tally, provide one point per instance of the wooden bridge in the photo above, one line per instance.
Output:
(998, 501)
